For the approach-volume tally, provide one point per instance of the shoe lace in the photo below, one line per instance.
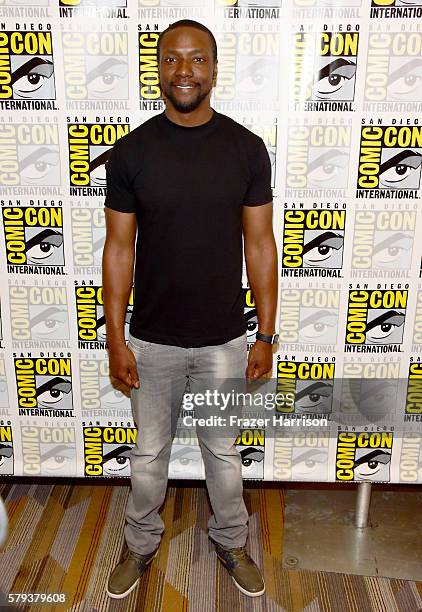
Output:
(238, 555)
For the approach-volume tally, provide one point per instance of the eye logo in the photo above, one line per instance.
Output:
(313, 239)
(375, 318)
(390, 161)
(251, 316)
(6, 458)
(251, 446)
(249, 68)
(34, 239)
(317, 160)
(88, 234)
(38, 314)
(311, 385)
(95, 65)
(107, 450)
(27, 71)
(30, 155)
(91, 319)
(44, 386)
(383, 240)
(364, 456)
(324, 71)
(89, 148)
(393, 73)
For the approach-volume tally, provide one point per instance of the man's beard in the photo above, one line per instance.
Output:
(189, 105)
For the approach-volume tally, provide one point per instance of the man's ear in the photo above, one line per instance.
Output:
(214, 74)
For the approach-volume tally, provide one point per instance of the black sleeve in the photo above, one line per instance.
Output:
(120, 195)
(259, 190)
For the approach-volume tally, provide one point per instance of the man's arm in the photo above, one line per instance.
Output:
(261, 267)
(118, 259)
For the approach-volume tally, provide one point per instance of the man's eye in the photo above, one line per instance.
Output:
(199, 59)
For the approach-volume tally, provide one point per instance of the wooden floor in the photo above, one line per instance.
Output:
(67, 538)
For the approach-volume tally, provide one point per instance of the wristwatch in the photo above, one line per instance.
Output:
(270, 339)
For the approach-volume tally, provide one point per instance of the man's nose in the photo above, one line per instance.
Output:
(184, 67)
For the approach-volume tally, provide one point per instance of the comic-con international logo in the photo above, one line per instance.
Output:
(27, 71)
(251, 446)
(375, 320)
(310, 384)
(6, 449)
(301, 455)
(317, 160)
(49, 450)
(324, 70)
(88, 234)
(185, 459)
(390, 161)
(364, 456)
(90, 316)
(396, 9)
(34, 239)
(413, 410)
(172, 10)
(313, 242)
(383, 243)
(248, 69)
(417, 324)
(89, 147)
(44, 386)
(248, 9)
(30, 159)
(150, 97)
(95, 66)
(107, 450)
(93, 9)
(38, 315)
(309, 319)
(99, 397)
(393, 81)
(251, 316)
(323, 9)
(410, 465)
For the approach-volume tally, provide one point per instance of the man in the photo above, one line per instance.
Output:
(187, 182)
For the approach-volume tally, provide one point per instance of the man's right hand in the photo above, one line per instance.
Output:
(123, 365)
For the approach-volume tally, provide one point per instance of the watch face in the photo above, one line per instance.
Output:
(275, 339)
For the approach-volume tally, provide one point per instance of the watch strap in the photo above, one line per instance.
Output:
(265, 338)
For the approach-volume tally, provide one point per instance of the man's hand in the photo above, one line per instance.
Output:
(123, 365)
(260, 360)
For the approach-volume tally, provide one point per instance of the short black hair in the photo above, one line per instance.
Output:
(189, 23)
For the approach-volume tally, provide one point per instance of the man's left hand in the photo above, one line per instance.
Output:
(260, 360)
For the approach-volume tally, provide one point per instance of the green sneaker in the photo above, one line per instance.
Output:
(126, 574)
(246, 575)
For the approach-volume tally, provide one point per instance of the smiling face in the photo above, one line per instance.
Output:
(187, 69)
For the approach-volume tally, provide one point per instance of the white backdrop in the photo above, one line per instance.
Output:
(335, 91)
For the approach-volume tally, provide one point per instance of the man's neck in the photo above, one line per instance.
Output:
(193, 119)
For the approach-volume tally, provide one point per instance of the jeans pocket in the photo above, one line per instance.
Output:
(137, 344)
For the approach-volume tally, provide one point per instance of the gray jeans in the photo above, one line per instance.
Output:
(164, 372)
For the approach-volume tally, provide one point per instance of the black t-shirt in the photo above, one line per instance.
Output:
(187, 186)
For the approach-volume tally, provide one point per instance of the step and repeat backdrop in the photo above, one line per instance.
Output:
(334, 88)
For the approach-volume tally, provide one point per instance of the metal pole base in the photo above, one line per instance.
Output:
(324, 532)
